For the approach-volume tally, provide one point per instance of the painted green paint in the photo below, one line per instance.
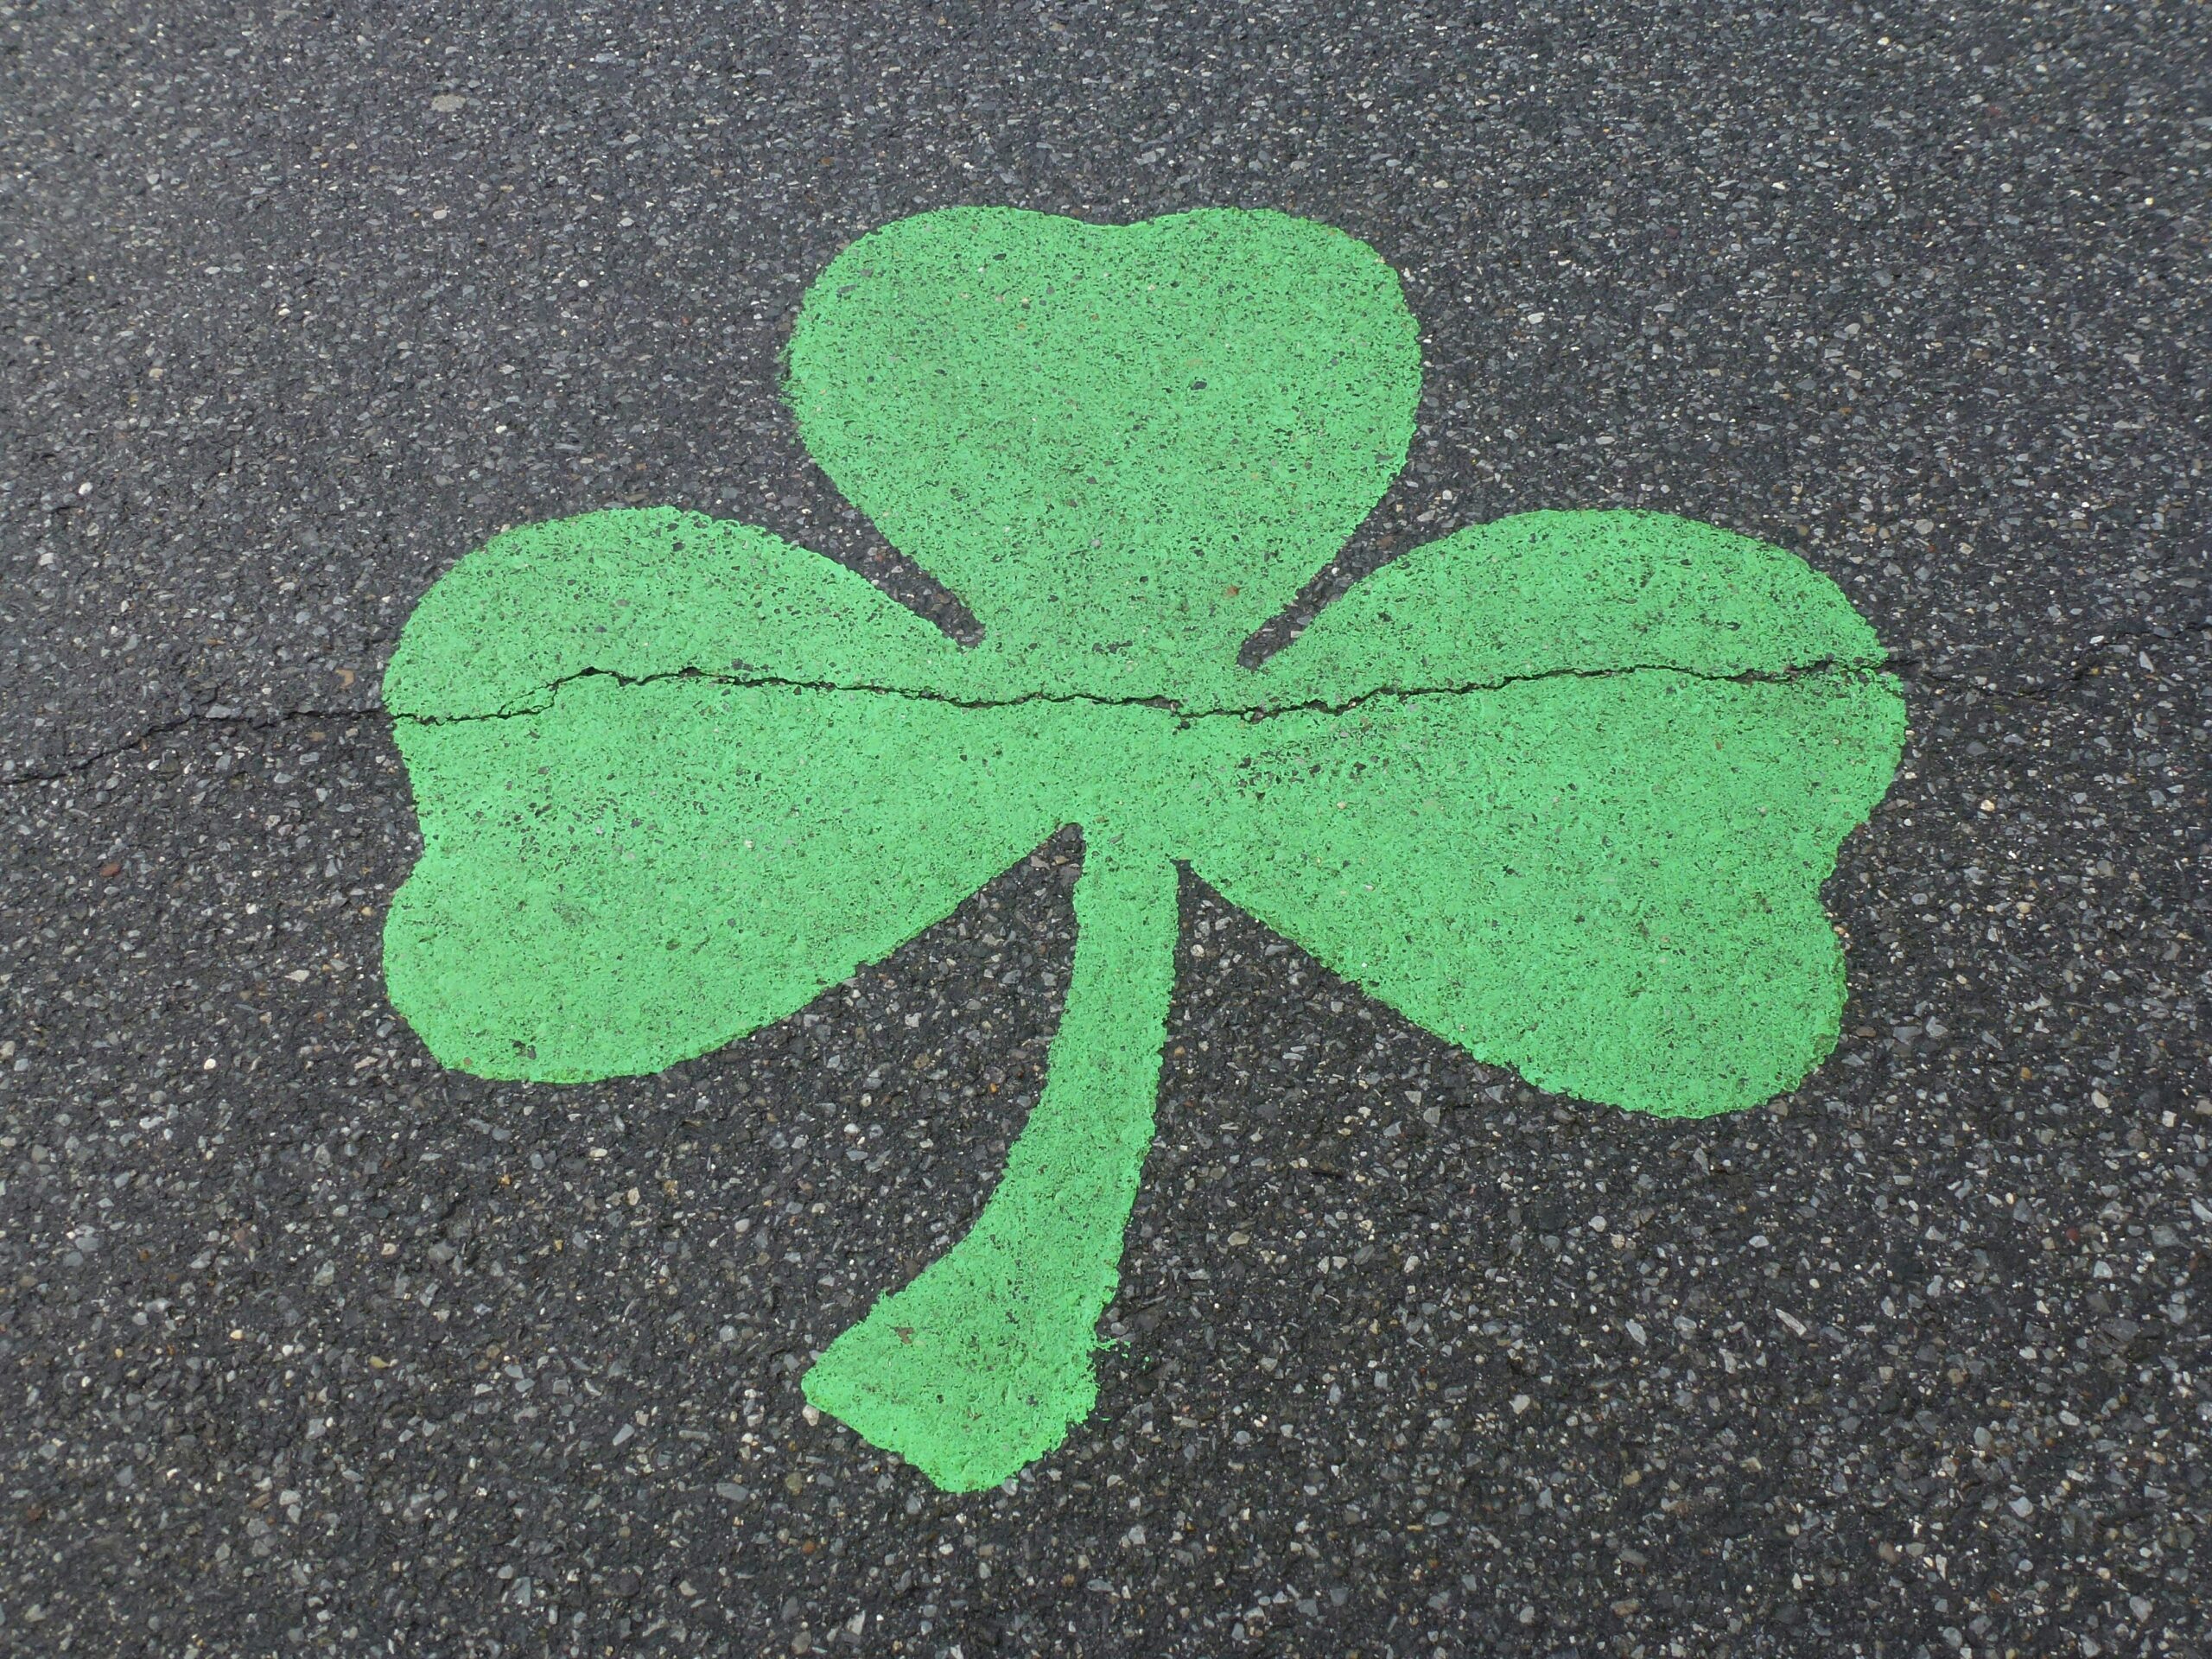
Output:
(982, 1363)
(1562, 789)
(1124, 446)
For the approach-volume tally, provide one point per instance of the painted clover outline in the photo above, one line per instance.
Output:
(1561, 789)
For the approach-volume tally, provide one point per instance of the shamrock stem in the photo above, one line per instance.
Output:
(979, 1366)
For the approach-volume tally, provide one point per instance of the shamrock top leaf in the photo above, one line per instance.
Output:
(1124, 446)
(1561, 789)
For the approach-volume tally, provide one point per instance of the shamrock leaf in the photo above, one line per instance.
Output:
(1124, 446)
(1582, 832)
(630, 789)
(1561, 789)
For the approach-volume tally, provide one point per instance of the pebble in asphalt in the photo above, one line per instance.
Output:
(312, 1346)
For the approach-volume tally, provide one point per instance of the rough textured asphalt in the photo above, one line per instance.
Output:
(307, 1345)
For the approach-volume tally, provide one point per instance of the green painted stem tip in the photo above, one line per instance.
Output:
(977, 1368)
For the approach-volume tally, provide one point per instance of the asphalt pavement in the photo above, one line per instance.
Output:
(308, 1344)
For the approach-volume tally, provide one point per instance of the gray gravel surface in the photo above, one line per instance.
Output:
(308, 1345)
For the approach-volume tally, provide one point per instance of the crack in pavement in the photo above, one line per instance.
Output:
(550, 692)
(1907, 668)
(70, 766)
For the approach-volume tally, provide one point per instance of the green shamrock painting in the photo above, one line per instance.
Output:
(1561, 789)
